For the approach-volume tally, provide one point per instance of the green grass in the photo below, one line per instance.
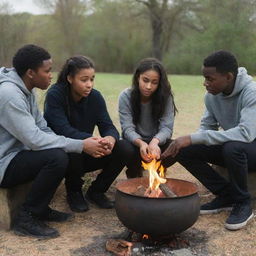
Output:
(188, 94)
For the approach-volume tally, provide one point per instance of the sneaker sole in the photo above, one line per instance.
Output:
(23, 232)
(202, 212)
(239, 225)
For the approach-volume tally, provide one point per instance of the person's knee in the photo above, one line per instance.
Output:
(59, 158)
(189, 151)
(124, 148)
(232, 148)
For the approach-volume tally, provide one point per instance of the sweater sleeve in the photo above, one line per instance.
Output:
(166, 123)
(125, 116)
(104, 122)
(19, 122)
(208, 121)
(56, 117)
(245, 131)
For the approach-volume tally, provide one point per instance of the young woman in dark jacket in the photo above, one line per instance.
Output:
(73, 109)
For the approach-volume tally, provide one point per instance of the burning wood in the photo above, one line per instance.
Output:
(167, 191)
(157, 180)
(119, 247)
(132, 243)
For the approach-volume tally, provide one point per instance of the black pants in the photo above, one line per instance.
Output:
(239, 158)
(79, 164)
(46, 168)
(133, 158)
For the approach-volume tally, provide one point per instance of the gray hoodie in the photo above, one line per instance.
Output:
(22, 126)
(234, 113)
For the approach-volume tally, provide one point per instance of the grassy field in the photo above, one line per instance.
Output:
(188, 95)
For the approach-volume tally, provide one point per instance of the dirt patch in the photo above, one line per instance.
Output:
(88, 232)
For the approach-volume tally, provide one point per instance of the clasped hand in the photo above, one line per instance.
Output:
(99, 146)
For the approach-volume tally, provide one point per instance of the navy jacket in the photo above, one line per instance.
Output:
(77, 120)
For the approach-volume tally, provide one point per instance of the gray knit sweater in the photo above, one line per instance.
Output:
(147, 128)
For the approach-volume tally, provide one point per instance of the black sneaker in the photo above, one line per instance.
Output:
(56, 216)
(76, 201)
(239, 216)
(100, 200)
(218, 204)
(25, 224)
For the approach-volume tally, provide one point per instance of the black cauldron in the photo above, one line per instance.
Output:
(157, 216)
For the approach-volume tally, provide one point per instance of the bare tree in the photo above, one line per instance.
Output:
(164, 15)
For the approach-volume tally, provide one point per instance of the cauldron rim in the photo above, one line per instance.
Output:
(118, 185)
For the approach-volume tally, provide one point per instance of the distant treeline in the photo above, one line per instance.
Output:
(116, 34)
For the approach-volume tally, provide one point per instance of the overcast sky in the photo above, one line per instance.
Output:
(25, 6)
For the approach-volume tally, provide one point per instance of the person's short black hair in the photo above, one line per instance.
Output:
(29, 57)
(223, 61)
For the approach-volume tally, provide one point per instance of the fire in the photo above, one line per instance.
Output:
(156, 176)
(145, 236)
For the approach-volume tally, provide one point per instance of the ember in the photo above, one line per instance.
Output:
(132, 242)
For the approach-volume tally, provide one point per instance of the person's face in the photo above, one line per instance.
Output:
(42, 76)
(82, 83)
(216, 82)
(148, 83)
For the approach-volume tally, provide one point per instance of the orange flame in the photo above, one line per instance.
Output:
(145, 236)
(156, 173)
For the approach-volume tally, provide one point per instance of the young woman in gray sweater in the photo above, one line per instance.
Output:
(146, 112)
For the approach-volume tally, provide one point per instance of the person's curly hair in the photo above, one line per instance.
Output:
(223, 61)
(29, 57)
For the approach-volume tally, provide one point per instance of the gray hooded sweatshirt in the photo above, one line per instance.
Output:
(22, 126)
(235, 114)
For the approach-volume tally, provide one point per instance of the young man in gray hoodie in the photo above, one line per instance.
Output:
(230, 105)
(31, 151)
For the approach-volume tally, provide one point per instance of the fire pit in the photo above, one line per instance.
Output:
(157, 217)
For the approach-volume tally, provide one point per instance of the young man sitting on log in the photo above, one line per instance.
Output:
(30, 151)
(230, 105)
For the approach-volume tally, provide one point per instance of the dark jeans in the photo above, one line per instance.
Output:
(79, 164)
(133, 158)
(239, 158)
(46, 168)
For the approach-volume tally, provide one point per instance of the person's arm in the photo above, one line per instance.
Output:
(143, 146)
(126, 119)
(208, 122)
(245, 131)
(165, 128)
(176, 145)
(104, 122)
(19, 122)
(56, 116)
(154, 149)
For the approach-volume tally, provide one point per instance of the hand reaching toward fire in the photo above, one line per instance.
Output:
(143, 150)
(176, 145)
(153, 149)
